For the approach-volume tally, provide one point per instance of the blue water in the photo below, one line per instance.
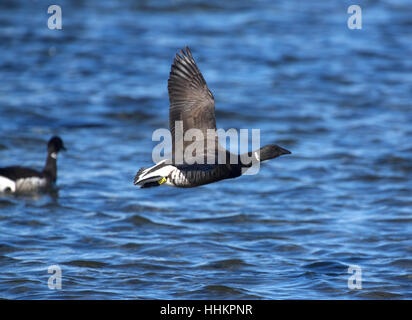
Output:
(339, 99)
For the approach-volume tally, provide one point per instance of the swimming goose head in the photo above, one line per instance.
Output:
(54, 145)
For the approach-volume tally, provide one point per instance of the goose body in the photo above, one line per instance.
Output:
(192, 105)
(184, 176)
(16, 179)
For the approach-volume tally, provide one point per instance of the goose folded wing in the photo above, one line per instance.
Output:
(16, 172)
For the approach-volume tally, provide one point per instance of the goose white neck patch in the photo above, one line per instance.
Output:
(53, 155)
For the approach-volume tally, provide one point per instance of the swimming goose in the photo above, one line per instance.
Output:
(20, 179)
(192, 106)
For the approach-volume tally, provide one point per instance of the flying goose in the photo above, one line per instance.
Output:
(16, 179)
(192, 106)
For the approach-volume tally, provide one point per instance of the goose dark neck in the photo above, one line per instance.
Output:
(50, 169)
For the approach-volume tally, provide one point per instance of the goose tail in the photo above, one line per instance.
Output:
(153, 176)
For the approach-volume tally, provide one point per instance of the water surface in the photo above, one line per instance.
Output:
(339, 99)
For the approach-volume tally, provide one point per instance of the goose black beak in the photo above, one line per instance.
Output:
(284, 151)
